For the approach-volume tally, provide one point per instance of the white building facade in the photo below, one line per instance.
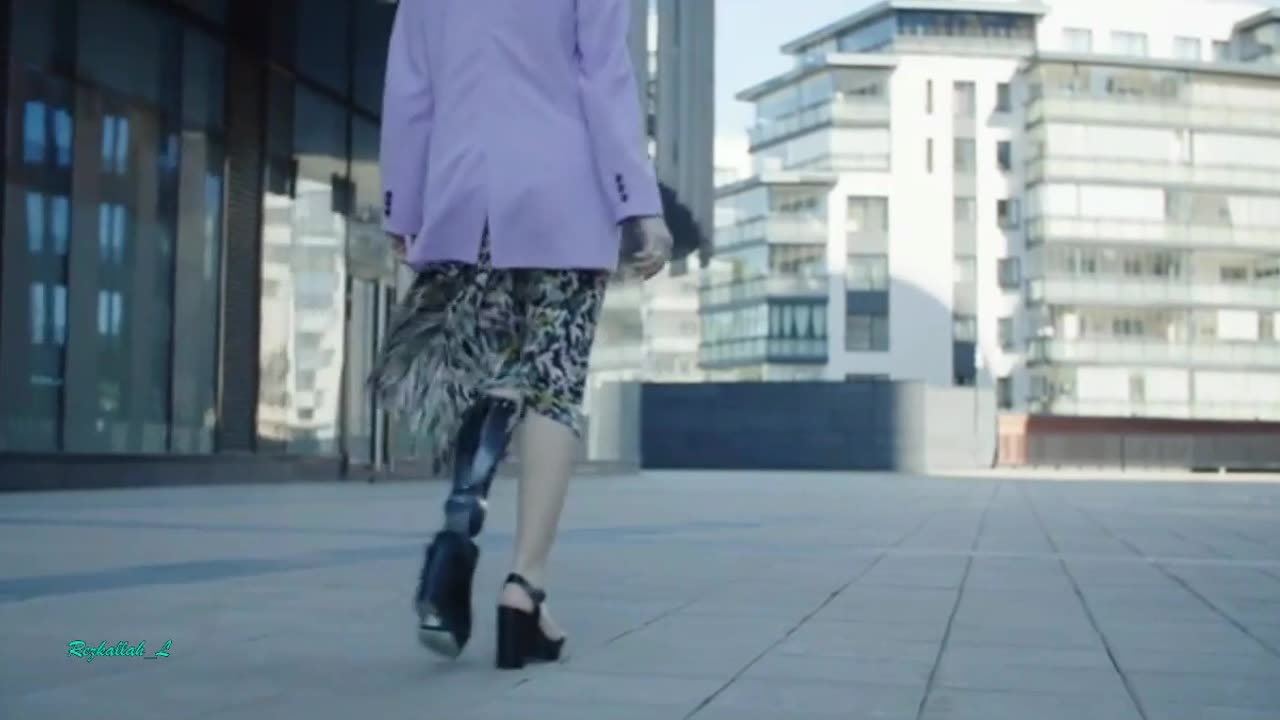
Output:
(906, 170)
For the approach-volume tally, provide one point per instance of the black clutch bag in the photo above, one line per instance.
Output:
(686, 235)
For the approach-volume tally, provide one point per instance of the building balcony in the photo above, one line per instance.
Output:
(617, 355)
(844, 162)
(1148, 172)
(1117, 291)
(1147, 232)
(753, 351)
(762, 288)
(1180, 115)
(838, 112)
(774, 229)
(1151, 353)
(994, 45)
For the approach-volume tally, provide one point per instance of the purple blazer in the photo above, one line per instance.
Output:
(520, 113)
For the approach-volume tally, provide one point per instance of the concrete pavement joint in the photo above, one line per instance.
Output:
(1088, 612)
(955, 606)
(656, 618)
(1218, 610)
(1190, 589)
(795, 628)
(792, 631)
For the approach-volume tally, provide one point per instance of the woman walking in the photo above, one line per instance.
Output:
(514, 172)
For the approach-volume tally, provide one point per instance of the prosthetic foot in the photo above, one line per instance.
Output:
(443, 597)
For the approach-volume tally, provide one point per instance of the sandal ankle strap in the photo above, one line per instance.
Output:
(537, 595)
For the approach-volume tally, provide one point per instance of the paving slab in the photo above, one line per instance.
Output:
(702, 596)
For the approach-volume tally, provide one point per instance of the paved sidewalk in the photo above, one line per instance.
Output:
(687, 595)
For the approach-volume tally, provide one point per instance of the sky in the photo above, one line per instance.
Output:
(749, 34)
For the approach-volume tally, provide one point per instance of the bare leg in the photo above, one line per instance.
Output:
(547, 450)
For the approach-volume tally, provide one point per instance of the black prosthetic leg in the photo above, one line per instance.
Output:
(443, 598)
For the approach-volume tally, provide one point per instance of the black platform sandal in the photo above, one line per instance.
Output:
(520, 636)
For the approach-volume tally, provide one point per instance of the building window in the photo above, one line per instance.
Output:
(1004, 155)
(964, 328)
(1005, 329)
(1004, 393)
(965, 99)
(1004, 98)
(867, 273)
(965, 156)
(797, 259)
(1186, 48)
(928, 97)
(866, 333)
(866, 214)
(1137, 388)
(928, 155)
(1009, 271)
(1233, 275)
(966, 210)
(1129, 43)
(1007, 213)
(965, 270)
(1221, 50)
(1079, 40)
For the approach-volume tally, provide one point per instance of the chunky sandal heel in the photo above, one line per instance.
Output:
(520, 636)
(515, 637)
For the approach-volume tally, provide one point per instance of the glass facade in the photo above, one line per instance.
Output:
(118, 196)
(938, 29)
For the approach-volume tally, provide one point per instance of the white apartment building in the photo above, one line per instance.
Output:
(928, 187)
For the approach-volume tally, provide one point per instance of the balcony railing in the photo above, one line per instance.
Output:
(1148, 232)
(836, 112)
(1262, 409)
(1122, 352)
(617, 350)
(1140, 291)
(757, 289)
(1176, 114)
(758, 350)
(843, 162)
(775, 229)
(1152, 172)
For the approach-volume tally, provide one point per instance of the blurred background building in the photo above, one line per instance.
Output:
(1069, 204)
(650, 331)
(192, 264)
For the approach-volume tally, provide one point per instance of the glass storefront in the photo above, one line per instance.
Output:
(116, 211)
(326, 272)
(114, 185)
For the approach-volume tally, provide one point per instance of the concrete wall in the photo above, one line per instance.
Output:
(802, 426)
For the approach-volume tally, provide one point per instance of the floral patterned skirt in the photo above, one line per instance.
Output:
(464, 330)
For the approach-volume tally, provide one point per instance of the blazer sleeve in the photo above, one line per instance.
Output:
(408, 111)
(610, 101)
